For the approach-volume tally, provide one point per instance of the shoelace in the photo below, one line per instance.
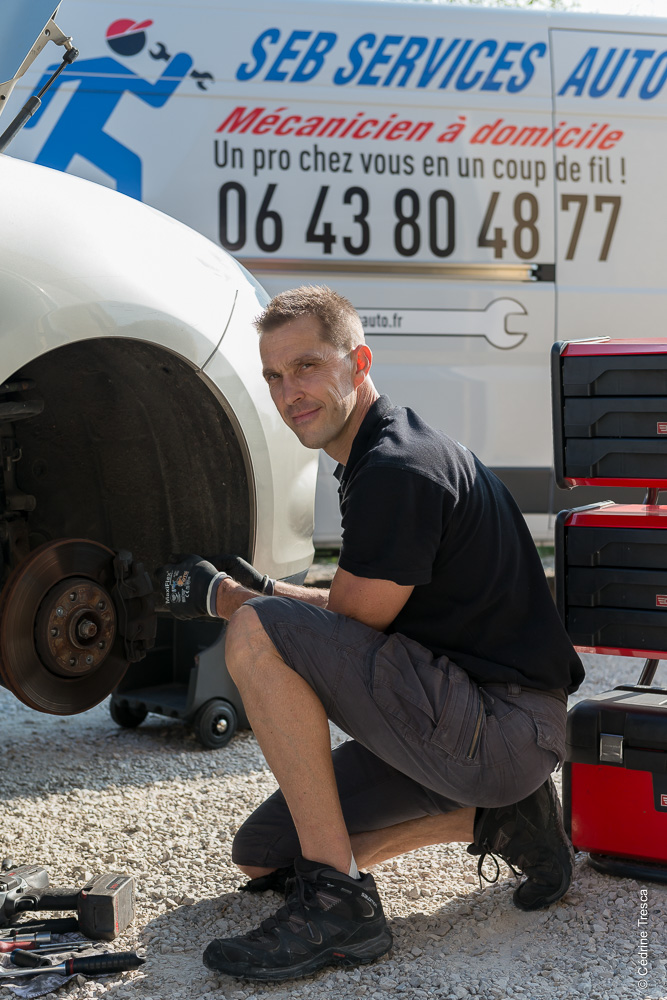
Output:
(290, 913)
(484, 854)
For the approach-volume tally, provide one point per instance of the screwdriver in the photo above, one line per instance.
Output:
(93, 965)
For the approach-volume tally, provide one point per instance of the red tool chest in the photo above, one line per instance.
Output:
(610, 429)
(615, 780)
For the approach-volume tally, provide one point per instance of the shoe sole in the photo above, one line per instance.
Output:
(359, 955)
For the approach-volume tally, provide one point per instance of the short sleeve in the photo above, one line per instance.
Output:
(393, 521)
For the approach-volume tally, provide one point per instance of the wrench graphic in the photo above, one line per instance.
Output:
(490, 323)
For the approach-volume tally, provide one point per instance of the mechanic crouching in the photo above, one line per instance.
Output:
(438, 649)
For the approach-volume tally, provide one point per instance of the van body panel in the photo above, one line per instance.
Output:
(427, 161)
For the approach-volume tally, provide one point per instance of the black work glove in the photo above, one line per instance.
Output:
(245, 574)
(187, 588)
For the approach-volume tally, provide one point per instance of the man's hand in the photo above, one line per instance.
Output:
(188, 587)
(245, 574)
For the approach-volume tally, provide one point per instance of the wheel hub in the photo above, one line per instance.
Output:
(75, 627)
(60, 648)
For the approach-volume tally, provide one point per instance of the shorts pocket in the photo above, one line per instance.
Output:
(551, 732)
(550, 718)
(405, 687)
(415, 689)
(518, 731)
(460, 726)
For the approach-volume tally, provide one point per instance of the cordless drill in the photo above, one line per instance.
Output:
(104, 906)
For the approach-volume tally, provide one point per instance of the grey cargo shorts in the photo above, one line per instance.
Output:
(426, 739)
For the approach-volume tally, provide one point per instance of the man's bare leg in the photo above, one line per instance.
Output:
(377, 846)
(292, 729)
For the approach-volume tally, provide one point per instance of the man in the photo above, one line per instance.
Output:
(438, 649)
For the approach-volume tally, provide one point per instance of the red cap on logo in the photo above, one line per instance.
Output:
(126, 27)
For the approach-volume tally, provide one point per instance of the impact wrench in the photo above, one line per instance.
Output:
(105, 905)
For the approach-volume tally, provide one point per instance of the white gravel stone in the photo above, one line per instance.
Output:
(90, 797)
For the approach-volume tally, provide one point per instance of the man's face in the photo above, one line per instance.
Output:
(311, 382)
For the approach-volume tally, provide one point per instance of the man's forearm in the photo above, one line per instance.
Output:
(311, 595)
(231, 595)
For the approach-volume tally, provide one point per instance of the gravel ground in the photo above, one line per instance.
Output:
(81, 796)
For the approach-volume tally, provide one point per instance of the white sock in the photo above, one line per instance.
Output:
(354, 871)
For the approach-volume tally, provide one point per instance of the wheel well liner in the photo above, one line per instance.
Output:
(135, 451)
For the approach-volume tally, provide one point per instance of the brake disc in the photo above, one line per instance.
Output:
(60, 647)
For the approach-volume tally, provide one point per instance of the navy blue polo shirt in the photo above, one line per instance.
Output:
(419, 509)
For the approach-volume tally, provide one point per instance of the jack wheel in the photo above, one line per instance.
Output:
(215, 723)
(125, 715)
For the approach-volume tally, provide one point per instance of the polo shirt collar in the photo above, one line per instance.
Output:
(365, 436)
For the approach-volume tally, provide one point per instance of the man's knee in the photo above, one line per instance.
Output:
(243, 624)
(249, 844)
(243, 845)
(244, 632)
(267, 839)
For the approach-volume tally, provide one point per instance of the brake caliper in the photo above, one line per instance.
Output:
(134, 598)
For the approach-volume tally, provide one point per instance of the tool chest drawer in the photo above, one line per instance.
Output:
(599, 586)
(607, 461)
(644, 548)
(610, 412)
(611, 578)
(614, 417)
(623, 633)
(615, 775)
(599, 374)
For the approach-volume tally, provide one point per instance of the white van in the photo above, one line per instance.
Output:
(479, 183)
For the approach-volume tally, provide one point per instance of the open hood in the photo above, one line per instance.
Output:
(26, 26)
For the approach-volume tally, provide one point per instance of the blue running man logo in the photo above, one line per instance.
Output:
(80, 128)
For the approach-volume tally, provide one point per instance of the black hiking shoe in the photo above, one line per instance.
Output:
(528, 836)
(328, 919)
(275, 880)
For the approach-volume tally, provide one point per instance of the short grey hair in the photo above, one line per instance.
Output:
(339, 321)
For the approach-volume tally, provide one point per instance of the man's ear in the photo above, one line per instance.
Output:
(362, 360)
